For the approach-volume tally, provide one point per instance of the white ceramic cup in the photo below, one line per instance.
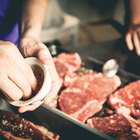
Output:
(42, 69)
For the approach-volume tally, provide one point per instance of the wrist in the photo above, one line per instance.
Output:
(135, 21)
(31, 32)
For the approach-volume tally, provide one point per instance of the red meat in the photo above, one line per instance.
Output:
(14, 127)
(86, 96)
(126, 101)
(115, 125)
(67, 63)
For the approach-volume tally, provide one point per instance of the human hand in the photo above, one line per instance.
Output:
(16, 77)
(32, 47)
(133, 38)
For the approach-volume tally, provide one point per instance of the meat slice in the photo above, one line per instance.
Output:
(16, 128)
(67, 63)
(61, 68)
(87, 94)
(71, 59)
(129, 97)
(91, 81)
(126, 101)
(115, 125)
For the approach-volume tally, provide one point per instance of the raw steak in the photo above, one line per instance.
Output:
(67, 63)
(86, 96)
(126, 101)
(115, 125)
(72, 59)
(80, 79)
(14, 127)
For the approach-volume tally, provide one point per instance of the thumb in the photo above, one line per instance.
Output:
(44, 54)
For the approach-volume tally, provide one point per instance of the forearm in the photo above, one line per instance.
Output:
(33, 17)
(134, 12)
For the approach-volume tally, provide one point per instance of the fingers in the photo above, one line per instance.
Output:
(23, 109)
(133, 41)
(45, 56)
(41, 51)
(56, 85)
(20, 79)
(136, 42)
(12, 92)
(28, 73)
(129, 41)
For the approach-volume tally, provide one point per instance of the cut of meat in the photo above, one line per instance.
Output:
(128, 97)
(86, 96)
(61, 68)
(79, 79)
(115, 125)
(73, 60)
(126, 101)
(16, 128)
(78, 104)
(67, 63)
(91, 81)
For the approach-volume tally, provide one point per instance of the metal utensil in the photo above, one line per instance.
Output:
(110, 68)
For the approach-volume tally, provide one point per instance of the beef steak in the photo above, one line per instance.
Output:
(67, 63)
(126, 101)
(16, 128)
(86, 95)
(115, 125)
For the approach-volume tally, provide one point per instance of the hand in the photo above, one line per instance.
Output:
(33, 47)
(16, 77)
(133, 38)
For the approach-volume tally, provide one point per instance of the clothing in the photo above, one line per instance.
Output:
(10, 22)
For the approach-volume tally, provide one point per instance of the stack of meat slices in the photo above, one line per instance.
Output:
(13, 127)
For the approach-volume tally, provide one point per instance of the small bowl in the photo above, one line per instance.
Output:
(41, 71)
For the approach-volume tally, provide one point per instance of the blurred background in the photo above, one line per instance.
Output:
(83, 22)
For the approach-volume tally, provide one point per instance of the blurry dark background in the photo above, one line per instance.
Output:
(89, 14)
(93, 28)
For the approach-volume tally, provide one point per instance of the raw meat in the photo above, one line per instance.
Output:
(71, 59)
(115, 125)
(67, 63)
(14, 127)
(126, 101)
(86, 95)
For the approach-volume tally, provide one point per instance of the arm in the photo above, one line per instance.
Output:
(134, 12)
(133, 34)
(33, 17)
(30, 45)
